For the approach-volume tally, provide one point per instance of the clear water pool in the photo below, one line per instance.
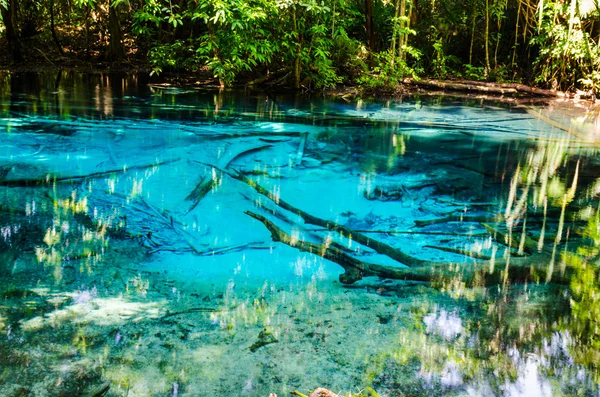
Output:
(174, 242)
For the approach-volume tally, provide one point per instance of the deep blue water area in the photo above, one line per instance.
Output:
(163, 241)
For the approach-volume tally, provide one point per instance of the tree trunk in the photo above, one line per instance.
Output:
(407, 27)
(9, 18)
(87, 31)
(402, 29)
(508, 89)
(395, 32)
(369, 24)
(116, 52)
(487, 36)
(472, 36)
(54, 36)
(297, 66)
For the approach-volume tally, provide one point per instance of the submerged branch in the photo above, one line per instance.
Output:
(460, 252)
(378, 246)
(529, 244)
(534, 268)
(355, 269)
(301, 145)
(50, 179)
(203, 187)
(457, 218)
(201, 190)
(392, 232)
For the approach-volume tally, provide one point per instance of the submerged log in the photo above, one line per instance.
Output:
(201, 190)
(205, 186)
(49, 179)
(459, 251)
(529, 245)
(355, 269)
(480, 273)
(360, 238)
(457, 218)
(301, 145)
(555, 123)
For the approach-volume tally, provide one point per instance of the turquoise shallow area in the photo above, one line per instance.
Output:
(133, 259)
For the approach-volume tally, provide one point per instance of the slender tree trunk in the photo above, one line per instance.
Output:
(407, 26)
(12, 35)
(54, 36)
(333, 22)
(516, 34)
(87, 32)
(472, 36)
(402, 26)
(297, 66)
(369, 24)
(487, 38)
(116, 51)
(211, 32)
(497, 46)
(395, 32)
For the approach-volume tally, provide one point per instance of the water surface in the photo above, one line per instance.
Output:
(136, 257)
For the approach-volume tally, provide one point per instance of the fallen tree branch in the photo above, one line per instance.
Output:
(50, 179)
(533, 268)
(203, 187)
(554, 123)
(530, 245)
(355, 269)
(201, 190)
(378, 246)
(301, 145)
(460, 252)
(456, 218)
(224, 161)
(511, 89)
(392, 232)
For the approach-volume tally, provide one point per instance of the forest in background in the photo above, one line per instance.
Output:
(314, 44)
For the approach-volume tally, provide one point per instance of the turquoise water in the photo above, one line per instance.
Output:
(138, 258)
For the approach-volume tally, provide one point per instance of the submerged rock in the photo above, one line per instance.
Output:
(309, 162)
(322, 392)
(386, 193)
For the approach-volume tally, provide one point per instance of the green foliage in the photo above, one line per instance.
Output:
(474, 72)
(386, 73)
(567, 53)
(585, 298)
(313, 44)
(441, 63)
(167, 57)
